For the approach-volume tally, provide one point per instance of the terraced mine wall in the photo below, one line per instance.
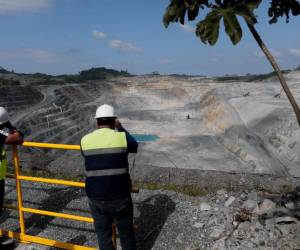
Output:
(17, 97)
(209, 134)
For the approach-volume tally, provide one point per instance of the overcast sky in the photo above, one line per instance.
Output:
(67, 36)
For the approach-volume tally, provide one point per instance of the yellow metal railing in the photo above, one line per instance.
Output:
(22, 236)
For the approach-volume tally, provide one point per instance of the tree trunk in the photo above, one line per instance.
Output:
(277, 70)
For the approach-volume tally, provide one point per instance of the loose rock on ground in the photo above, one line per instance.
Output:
(168, 220)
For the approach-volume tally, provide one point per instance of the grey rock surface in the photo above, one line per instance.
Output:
(250, 204)
(265, 207)
(167, 220)
(204, 206)
(230, 200)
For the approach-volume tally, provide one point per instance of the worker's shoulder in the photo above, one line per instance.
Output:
(87, 136)
(98, 132)
(121, 132)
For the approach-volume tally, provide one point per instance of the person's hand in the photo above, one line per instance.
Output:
(14, 138)
(118, 124)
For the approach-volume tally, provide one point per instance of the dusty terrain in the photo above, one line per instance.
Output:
(235, 129)
(212, 134)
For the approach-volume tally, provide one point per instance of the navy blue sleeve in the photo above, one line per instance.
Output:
(132, 144)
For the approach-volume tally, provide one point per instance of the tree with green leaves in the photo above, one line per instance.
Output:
(229, 11)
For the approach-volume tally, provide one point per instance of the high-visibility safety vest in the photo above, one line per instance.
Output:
(3, 163)
(106, 164)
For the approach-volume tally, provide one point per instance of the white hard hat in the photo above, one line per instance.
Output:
(4, 118)
(105, 110)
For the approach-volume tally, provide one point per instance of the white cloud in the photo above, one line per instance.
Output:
(115, 43)
(118, 44)
(164, 61)
(12, 6)
(295, 52)
(34, 54)
(217, 58)
(187, 28)
(98, 34)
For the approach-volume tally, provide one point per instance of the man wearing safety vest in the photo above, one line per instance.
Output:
(8, 135)
(108, 183)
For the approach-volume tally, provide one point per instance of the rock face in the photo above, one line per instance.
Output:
(265, 207)
(210, 133)
(17, 97)
(229, 201)
(204, 206)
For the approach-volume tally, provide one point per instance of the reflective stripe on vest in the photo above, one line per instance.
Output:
(106, 164)
(3, 163)
(105, 154)
(103, 151)
(106, 172)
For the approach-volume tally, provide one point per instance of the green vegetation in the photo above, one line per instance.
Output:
(8, 82)
(41, 75)
(185, 75)
(72, 78)
(49, 82)
(3, 70)
(94, 74)
(101, 73)
(85, 75)
(248, 77)
(37, 76)
(187, 189)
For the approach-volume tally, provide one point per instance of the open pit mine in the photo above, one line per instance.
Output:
(227, 134)
(192, 130)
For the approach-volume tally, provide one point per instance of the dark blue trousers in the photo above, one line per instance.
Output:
(105, 213)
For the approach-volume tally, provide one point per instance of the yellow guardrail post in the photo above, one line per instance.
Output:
(19, 190)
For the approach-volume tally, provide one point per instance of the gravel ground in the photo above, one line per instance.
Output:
(168, 220)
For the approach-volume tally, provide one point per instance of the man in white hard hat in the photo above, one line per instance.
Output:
(108, 182)
(8, 135)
